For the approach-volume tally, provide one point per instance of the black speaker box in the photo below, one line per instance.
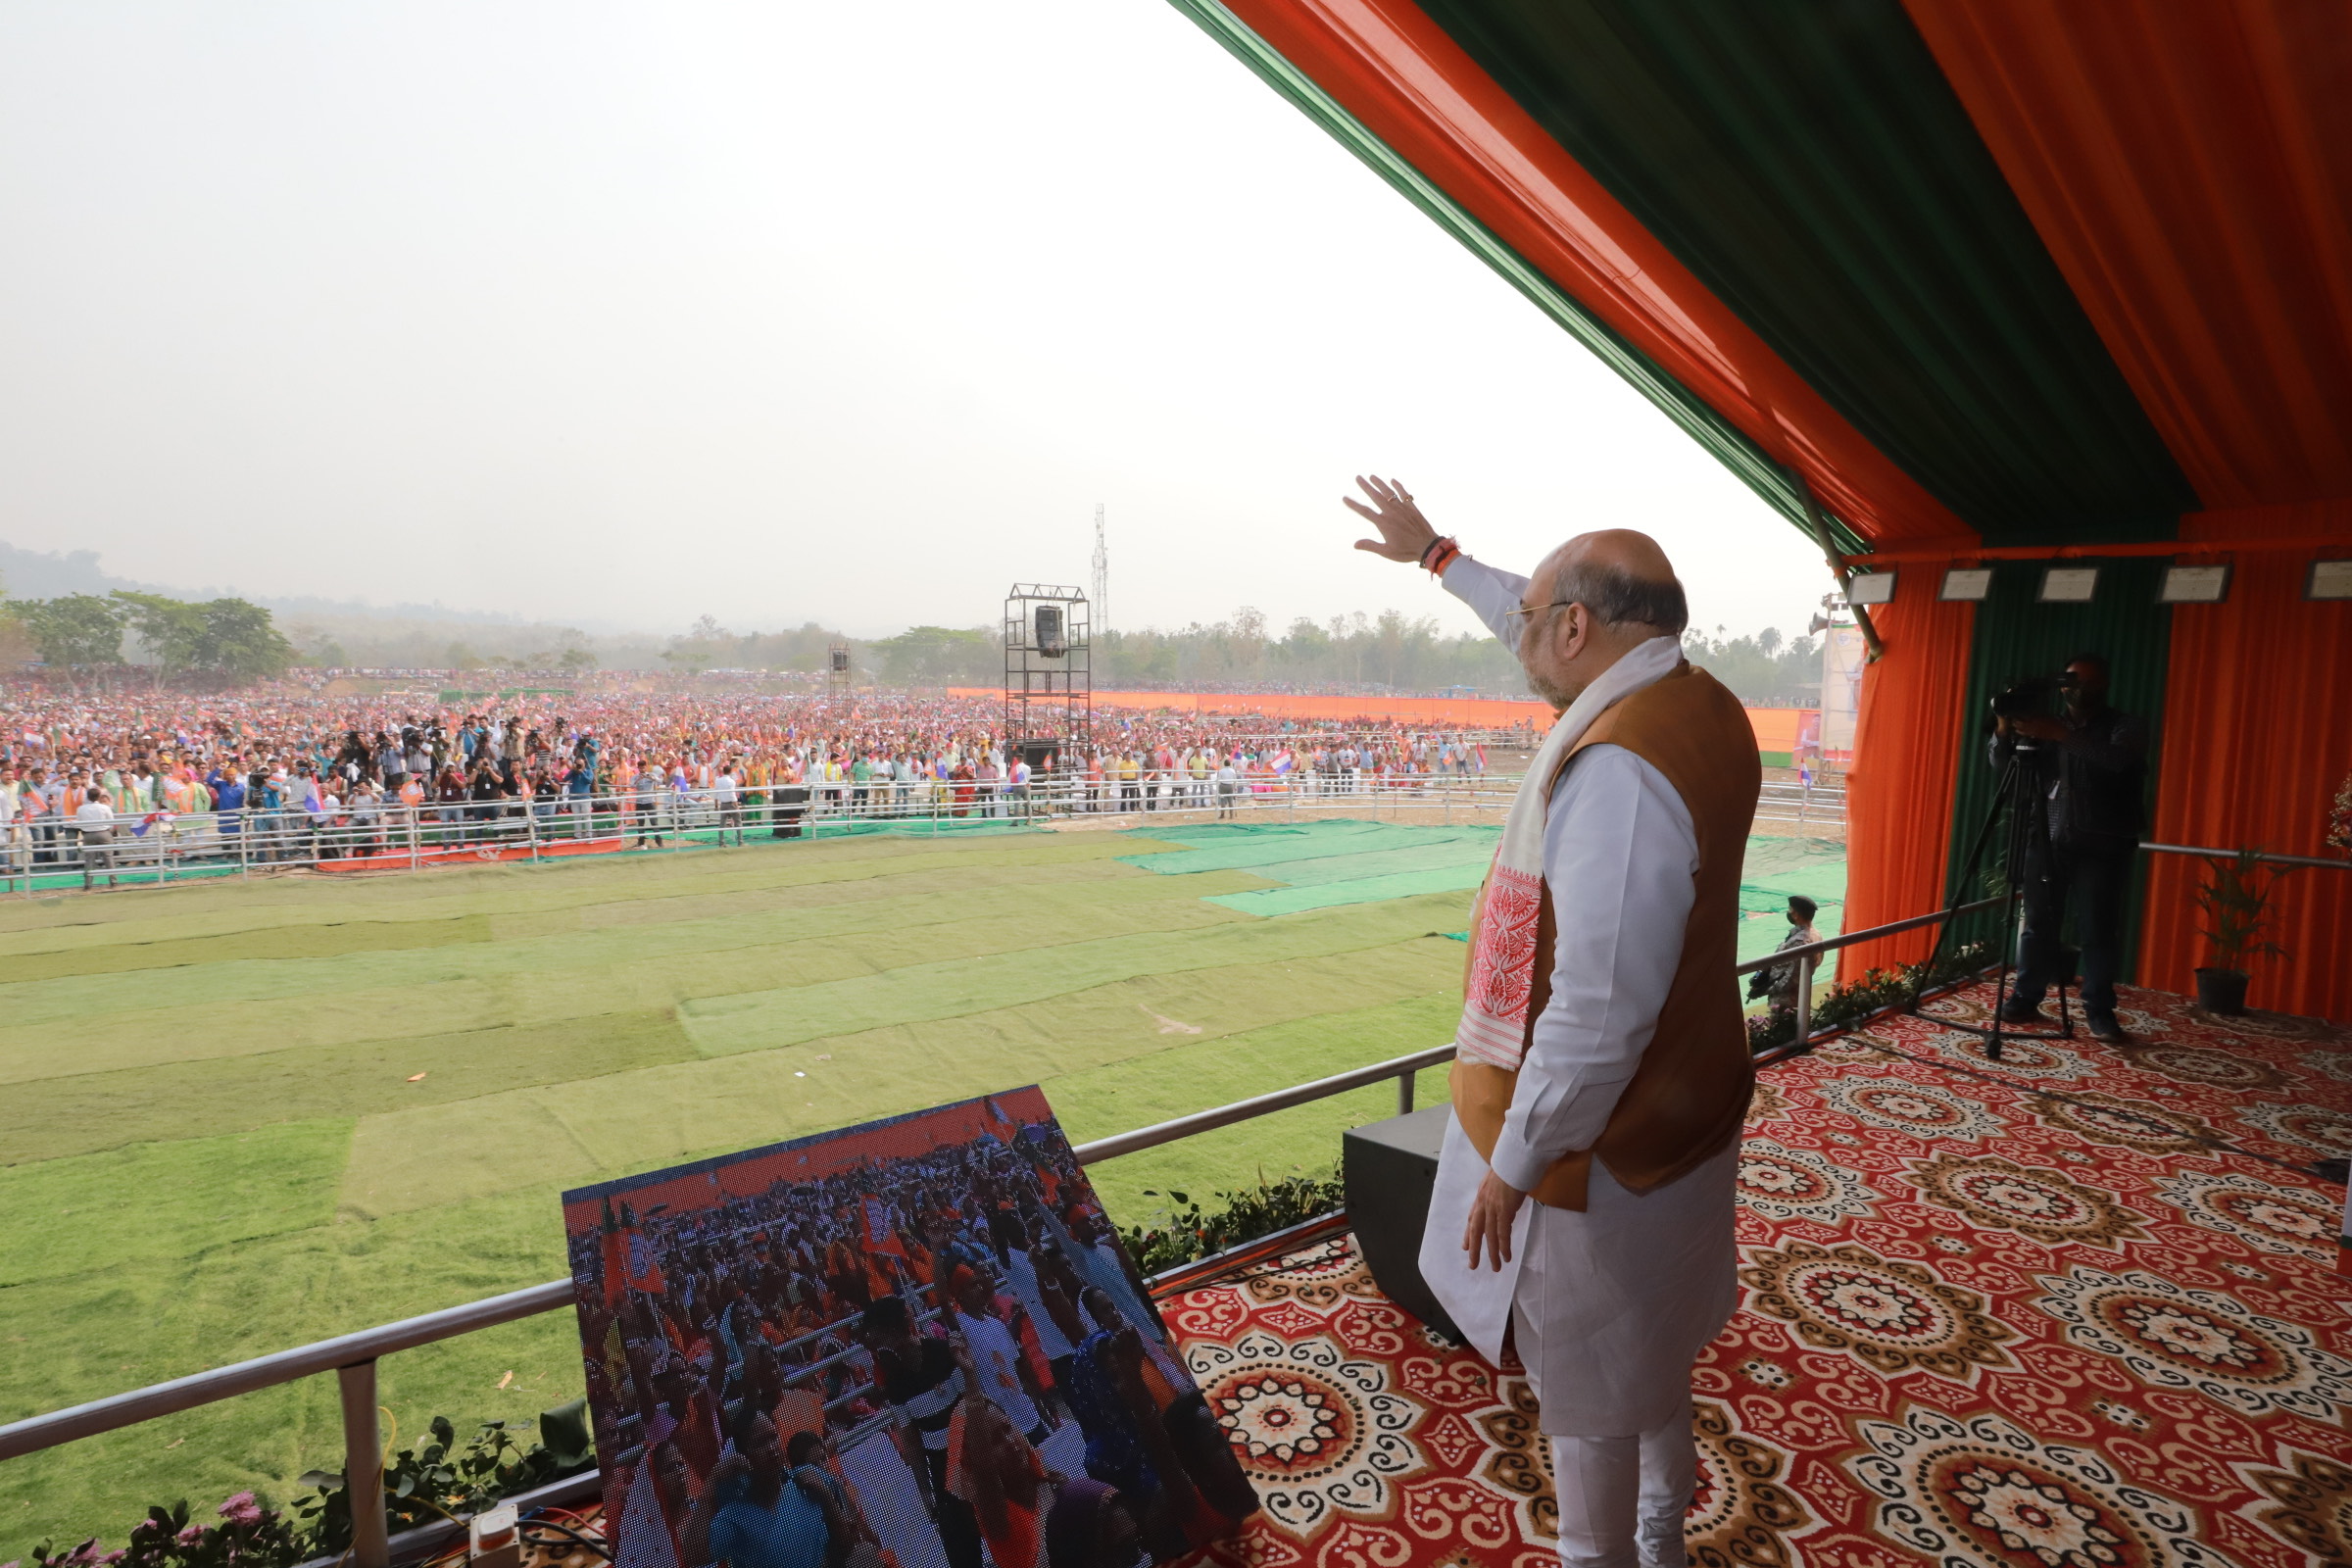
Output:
(1390, 1167)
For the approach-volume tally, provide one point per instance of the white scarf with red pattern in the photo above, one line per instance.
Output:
(1502, 951)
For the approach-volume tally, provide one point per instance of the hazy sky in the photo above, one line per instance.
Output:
(626, 313)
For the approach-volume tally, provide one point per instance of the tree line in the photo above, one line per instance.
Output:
(233, 642)
(1389, 653)
(226, 641)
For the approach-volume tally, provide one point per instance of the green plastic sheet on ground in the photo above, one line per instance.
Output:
(1322, 865)
(1775, 869)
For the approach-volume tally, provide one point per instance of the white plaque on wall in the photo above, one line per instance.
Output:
(1969, 583)
(2069, 585)
(1870, 588)
(2194, 585)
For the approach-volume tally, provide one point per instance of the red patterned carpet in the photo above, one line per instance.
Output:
(2076, 1310)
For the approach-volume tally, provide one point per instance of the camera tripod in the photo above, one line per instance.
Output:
(2029, 823)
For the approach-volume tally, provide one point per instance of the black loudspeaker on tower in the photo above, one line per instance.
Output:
(1052, 640)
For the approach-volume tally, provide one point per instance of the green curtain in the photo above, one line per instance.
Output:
(1808, 159)
(2017, 635)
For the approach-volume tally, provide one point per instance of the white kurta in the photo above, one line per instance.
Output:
(1611, 1303)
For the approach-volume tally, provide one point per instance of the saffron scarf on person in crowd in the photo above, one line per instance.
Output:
(996, 1470)
(1510, 906)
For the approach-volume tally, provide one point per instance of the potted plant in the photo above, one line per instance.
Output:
(2236, 901)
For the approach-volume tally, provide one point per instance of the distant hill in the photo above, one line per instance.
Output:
(350, 633)
(39, 574)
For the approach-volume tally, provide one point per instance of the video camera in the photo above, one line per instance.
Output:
(2032, 696)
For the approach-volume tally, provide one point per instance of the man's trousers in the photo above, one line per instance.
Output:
(2099, 879)
(1622, 1499)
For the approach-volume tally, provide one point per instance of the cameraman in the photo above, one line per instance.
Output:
(2090, 767)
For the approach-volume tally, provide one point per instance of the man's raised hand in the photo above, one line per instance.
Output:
(1405, 534)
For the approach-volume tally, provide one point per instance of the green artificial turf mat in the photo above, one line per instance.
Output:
(642, 1120)
(1227, 849)
(759, 1021)
(53, 1117)
(91, 1214)
(703, 958)
(145, 1319)
(152, 915)
(1099, 1101)
(1269, 902)
(303, 940)
(1322, 865)
(1474, 850)
(1776, 867)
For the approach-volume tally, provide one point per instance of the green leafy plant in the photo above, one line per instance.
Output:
(250, 1534)
(2236, 903)
(439, 1479)
(1875, 992)
(1191, 1232)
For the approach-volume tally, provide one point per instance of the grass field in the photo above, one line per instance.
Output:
(238, 1117)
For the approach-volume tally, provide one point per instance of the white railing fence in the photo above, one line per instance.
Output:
(46, 856)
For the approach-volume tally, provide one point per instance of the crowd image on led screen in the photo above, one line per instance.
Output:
(914, 1345)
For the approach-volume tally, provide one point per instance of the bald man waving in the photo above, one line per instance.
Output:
(1601, 1064)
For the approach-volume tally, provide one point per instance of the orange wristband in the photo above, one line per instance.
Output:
(1440, 556)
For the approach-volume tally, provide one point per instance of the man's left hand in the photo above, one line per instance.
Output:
(1490, 1214)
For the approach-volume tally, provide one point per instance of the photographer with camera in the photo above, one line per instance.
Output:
(2087, 766)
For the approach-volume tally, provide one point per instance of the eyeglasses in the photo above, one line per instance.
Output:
(1529, 609)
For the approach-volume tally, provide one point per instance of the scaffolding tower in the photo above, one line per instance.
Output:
(1049, 674)
(837, 667)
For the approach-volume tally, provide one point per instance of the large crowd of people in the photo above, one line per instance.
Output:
(280, 775)
(939, 1355)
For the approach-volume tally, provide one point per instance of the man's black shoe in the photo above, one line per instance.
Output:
(2102, 1026)
(2017, 1010)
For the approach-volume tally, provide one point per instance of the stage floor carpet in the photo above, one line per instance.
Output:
(2076, 1310)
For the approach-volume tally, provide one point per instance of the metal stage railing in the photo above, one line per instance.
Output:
(2312, 862)
(352, 1358)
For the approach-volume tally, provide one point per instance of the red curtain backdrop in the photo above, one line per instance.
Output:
(2257, 735)
(1409, 83)
(2190, 169)
(1899, 791)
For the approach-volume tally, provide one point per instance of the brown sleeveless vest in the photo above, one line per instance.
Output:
(1690, 1095)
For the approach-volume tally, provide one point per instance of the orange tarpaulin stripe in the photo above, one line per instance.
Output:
(2189, 166)
(1409, 84)
(1898, 793)
(2257, 737)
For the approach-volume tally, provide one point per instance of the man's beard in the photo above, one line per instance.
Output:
(1550, 691)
